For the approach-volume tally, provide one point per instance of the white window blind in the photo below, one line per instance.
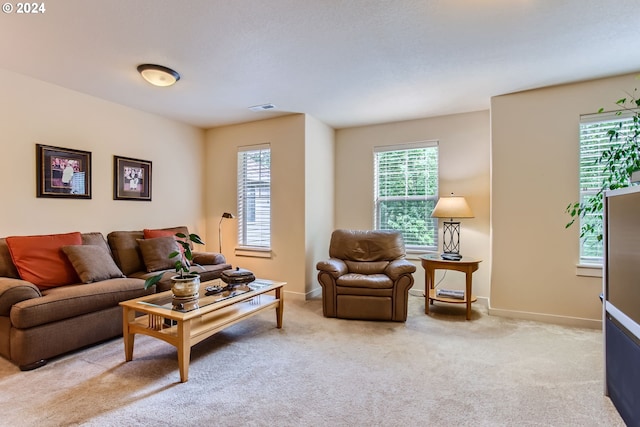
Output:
(254, 196)
(594, 140)
(406, 191)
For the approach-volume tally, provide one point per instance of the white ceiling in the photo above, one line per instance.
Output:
(345, 62)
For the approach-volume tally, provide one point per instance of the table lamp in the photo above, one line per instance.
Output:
(451, 207)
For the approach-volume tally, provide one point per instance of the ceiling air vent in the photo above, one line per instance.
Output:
(263, 107)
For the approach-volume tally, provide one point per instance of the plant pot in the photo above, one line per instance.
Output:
(186, 286)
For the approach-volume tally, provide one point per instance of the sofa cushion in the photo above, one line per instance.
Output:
(7, 269)
(96, 239)
(126, 252)
(92, 263)
(40, 261)
(65, 302)
(373, 281)
(156, 251)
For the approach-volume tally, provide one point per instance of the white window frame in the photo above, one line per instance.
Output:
(254, 212)
(588, 154)
(431, 226)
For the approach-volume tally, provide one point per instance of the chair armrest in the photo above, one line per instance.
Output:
(208, 258)
(398, 267)
(333, 266)
(12, 291)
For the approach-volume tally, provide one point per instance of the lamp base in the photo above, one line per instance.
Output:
(451, 256)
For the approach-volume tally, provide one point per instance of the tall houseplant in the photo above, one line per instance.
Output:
(619, 162)
(183, 262)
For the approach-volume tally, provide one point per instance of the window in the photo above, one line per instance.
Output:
(254, 196)
(406, 191)
(594, 140)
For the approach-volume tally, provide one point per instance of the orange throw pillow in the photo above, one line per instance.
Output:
(40, 260)
(152, 234)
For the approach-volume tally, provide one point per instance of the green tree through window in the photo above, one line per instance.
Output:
(406, 191)
(595, 139)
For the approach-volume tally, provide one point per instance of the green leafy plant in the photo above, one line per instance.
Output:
(619, 162)
(184, 257)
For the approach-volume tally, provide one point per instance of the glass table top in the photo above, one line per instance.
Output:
(210, 293)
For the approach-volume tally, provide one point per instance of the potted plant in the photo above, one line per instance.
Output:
(619, 161)
(186, 283)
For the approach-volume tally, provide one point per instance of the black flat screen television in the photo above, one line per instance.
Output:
(622, 251)
(622, 301)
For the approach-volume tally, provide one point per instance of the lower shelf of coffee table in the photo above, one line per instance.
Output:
(203, 326)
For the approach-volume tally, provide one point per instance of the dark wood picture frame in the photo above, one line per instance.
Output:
(131, 179)
(63, 172)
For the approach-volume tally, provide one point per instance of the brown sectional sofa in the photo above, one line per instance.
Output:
(37, 324)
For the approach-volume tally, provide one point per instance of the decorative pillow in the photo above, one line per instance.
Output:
(163, 232)
(208, 258)
(40, 261)
(92, 263)
(155, 253)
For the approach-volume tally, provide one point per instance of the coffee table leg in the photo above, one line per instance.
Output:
(128, 316)
(279, 307)
(184, 349)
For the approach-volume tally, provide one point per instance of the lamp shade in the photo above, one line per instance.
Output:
(452, 207)
(158, 75)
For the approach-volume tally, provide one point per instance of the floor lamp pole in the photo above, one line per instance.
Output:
(224, 215)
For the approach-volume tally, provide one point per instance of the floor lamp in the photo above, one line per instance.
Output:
(451, 207)
(224, 215)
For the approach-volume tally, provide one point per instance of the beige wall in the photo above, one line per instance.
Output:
(463, 169)
(32, 111)
(534, 177)
(319, 197)
(287, 138)
(530, 270)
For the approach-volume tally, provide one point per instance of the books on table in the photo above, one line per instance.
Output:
(449, 293)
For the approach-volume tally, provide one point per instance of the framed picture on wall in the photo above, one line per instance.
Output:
(131, 179)
(63, 172)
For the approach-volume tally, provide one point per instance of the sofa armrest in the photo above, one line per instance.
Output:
(13, 291)
(208, 258)
(333, 266)
(398, 267)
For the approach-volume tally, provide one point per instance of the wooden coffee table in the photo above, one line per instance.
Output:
(185, 328)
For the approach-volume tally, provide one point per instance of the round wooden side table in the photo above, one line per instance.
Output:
(434, 262)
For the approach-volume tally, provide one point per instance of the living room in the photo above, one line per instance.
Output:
(206, 158)
(498, 157)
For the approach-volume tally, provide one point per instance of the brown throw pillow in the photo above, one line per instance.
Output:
(92, 263)
(155, 253)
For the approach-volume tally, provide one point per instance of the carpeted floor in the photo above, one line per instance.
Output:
(437, 370)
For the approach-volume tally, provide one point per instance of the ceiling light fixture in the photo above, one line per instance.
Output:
(158, 75)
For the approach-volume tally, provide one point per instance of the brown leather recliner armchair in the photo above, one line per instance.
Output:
(366, 276)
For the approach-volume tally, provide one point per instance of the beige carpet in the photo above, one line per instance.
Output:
(432, 371)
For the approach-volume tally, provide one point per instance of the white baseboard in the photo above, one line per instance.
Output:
(546, 318)
(484, 302)
(299, 296)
